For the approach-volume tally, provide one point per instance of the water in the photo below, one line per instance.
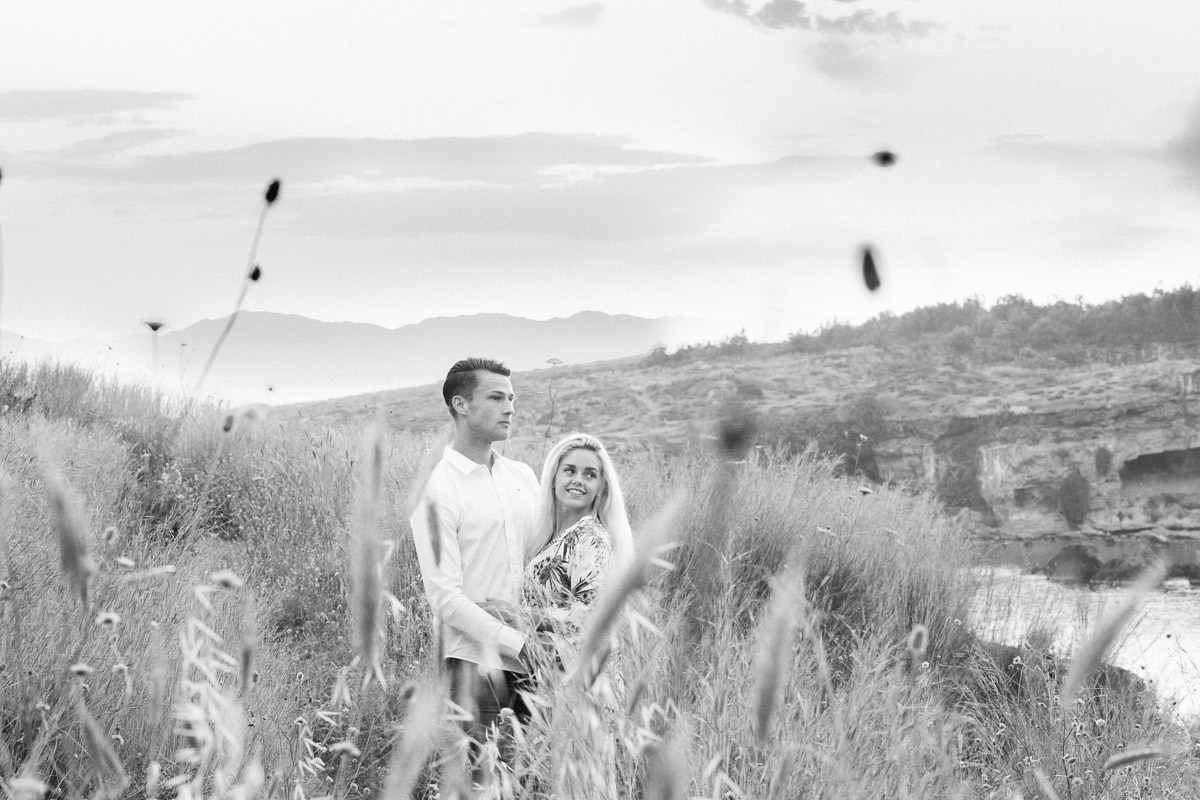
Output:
(1161, 644)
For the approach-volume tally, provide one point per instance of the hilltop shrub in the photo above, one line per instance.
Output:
(1074, 499)
(960, 340)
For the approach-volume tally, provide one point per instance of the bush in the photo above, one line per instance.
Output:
(960, 340)
(1103, 461)
(1074, 499)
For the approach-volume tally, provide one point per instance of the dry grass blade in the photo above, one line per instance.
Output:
(776, 635)
(420, 727)
(68, 519)
(632, 577)
(1136, 754)
(367, 586)
(99, 747)
(1091, 653)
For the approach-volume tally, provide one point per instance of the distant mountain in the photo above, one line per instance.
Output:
(285, 358)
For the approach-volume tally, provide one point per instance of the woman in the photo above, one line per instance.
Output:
(581, 524)
(582, 528)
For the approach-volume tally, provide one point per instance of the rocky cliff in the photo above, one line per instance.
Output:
(1117, 461)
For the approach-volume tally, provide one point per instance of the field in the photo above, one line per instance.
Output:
(202, 604)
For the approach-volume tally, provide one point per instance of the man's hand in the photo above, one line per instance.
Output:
(506, 612)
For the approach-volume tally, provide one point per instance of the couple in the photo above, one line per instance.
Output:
(494, 546)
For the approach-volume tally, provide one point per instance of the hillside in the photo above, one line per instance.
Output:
(999, 440)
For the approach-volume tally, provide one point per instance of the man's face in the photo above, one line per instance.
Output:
(488, 412)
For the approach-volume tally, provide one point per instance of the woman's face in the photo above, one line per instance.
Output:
(578, 480)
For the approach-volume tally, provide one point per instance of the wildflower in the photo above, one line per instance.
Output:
(256, 273)
(111, 535)
(79, 669)
(272, 193)
(120, 669)
(128, 563)
(108, 620)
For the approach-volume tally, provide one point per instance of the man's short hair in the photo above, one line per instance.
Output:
(462, 379)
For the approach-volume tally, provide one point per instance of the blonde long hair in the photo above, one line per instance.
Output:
(608, 507)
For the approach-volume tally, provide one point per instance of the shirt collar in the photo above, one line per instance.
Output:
(463, 464)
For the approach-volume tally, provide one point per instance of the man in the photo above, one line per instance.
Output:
(481, 505)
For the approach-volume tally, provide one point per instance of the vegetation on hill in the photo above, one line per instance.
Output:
(1067, 331)
(179, 586)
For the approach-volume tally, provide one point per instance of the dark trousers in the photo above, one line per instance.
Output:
(484, 695)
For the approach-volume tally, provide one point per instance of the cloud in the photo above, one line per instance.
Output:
(1079, 158)
(581, 16)
(794, 15)
(26, 106)
(112, 144)
(648, 204)
(520, 159)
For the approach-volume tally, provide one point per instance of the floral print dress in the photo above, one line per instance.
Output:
(565, 578)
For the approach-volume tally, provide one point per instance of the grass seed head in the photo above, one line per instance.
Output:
(68, 517)
(28, 786)
(774, 654)
(1135, 754)
(100, 748)
(917, 645)
(226, 579)
(367, 586)
(629, 579)
(1091, 653)
(272, 193)
(667, 776)
(736, 432)
(420, 724)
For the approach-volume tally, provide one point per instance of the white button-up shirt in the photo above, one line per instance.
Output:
(485, 525)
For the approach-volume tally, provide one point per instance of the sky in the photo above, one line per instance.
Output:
(704, 158)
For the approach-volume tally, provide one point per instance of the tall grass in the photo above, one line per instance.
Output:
(769, 651)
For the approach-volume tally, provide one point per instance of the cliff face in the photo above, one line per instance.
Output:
(1093, 466)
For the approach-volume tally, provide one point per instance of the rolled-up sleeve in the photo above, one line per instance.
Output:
(443, 575)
